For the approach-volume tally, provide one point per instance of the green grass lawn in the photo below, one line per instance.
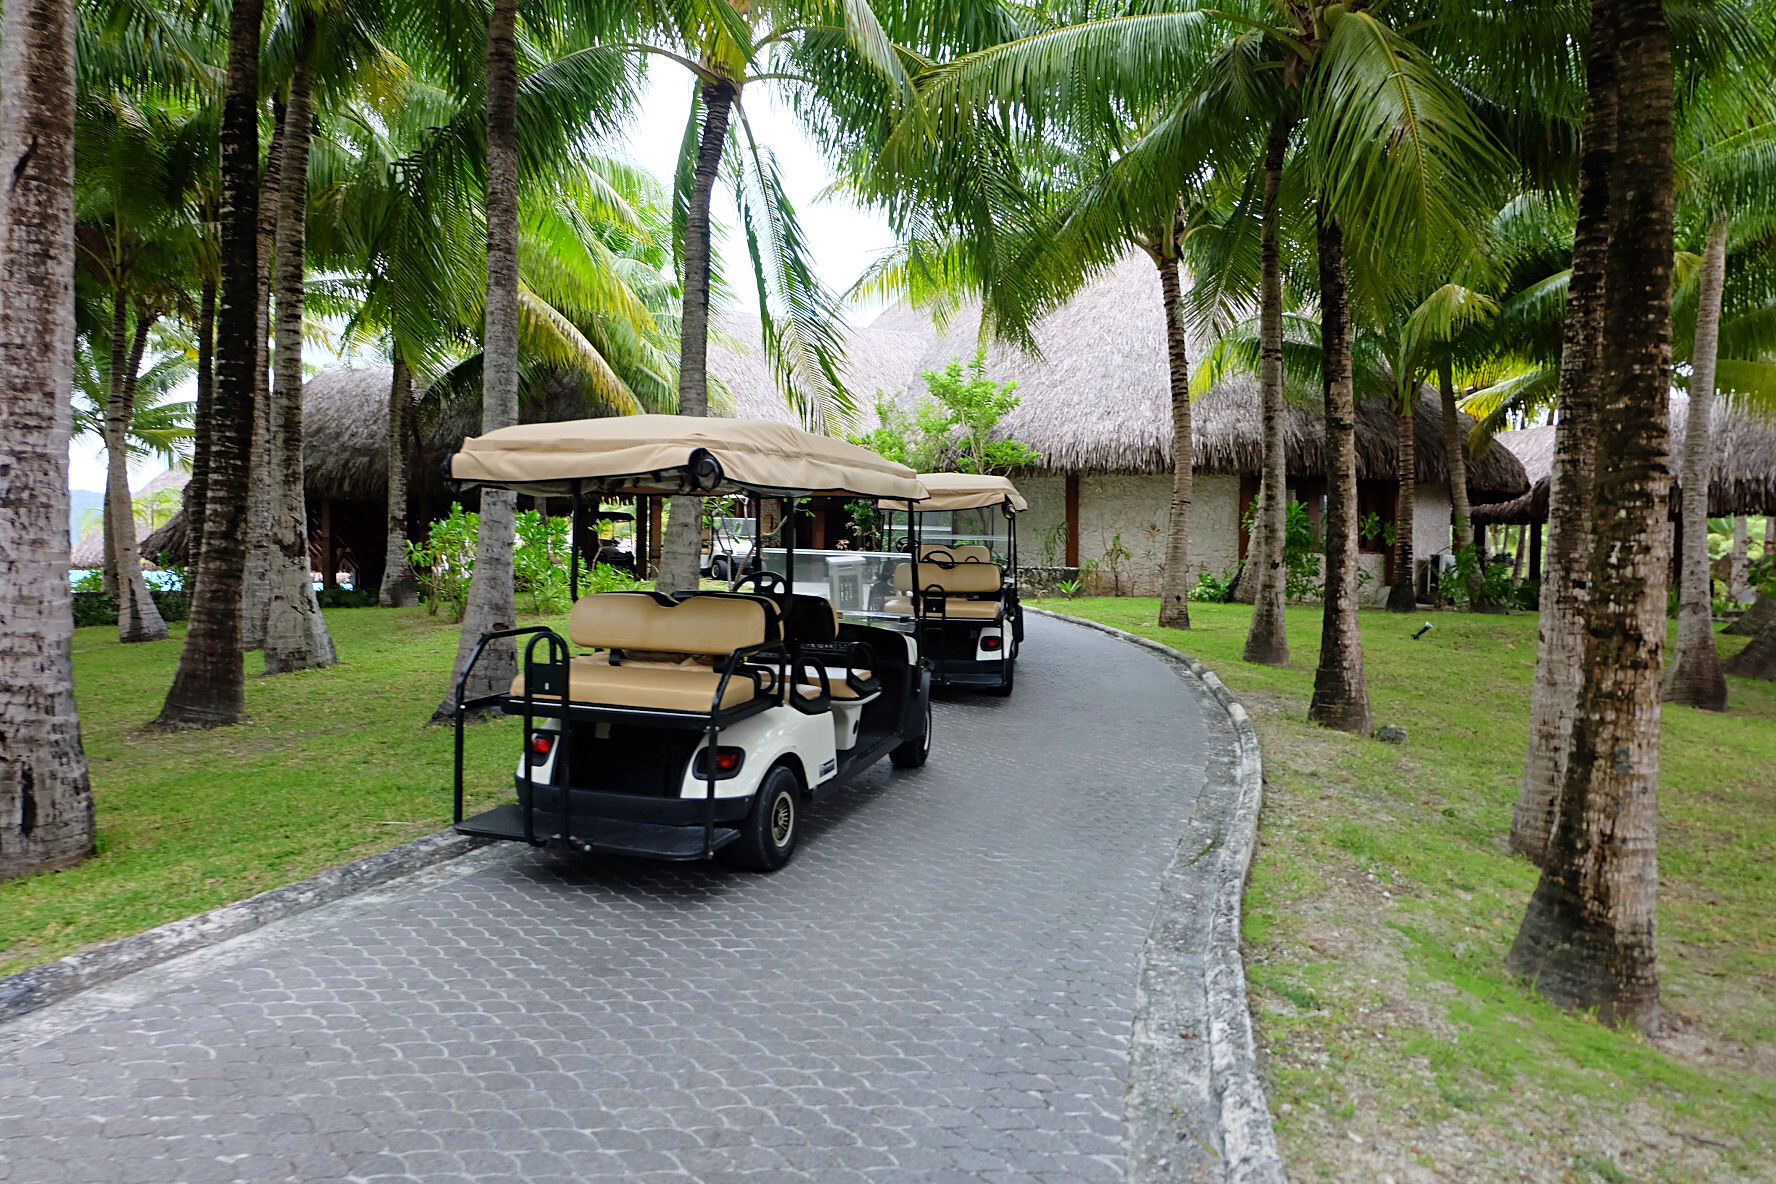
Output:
(336, 764)
(1382, 904)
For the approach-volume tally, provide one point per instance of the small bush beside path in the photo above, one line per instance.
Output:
(1394, 1044)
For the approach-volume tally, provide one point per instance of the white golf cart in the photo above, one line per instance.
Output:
(692, 723)
(961, 582)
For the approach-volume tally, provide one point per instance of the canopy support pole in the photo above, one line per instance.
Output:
(575, 518)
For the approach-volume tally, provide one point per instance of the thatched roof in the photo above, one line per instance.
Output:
(1098, 399)
(1743, 480)
(89, 551)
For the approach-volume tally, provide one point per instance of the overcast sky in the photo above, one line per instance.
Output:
(844, 239)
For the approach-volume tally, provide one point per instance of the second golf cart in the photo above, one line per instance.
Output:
(693, 723)
(961, 582)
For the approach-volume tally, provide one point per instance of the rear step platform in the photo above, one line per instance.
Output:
(607, 836)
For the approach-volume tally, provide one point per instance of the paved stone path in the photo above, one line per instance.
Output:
(939, 988)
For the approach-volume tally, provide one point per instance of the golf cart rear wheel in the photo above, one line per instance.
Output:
(912, 754)
(769, 833)
(1004, 688)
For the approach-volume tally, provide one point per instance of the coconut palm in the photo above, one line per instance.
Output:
(46, 809)
(727, 45)
(1587, 938)
(1731, 177)
(139, 159)
(208, 690)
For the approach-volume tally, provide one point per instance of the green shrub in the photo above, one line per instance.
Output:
(445, 564)
(348, 597)
(1212, 590)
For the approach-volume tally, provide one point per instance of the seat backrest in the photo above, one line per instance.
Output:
(973, 553)
(962, 580)
(710, 625)
(809, 618)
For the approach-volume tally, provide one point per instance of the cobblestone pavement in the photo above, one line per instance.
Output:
(938, 989)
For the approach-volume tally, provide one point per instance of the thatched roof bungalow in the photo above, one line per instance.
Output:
(1742, 480)
(1096, 405)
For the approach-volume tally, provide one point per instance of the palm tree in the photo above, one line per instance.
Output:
(1695, 676)
(725, 44)
(1729, 179)
(492, 600)
(209, 689)
(46, 806)
(296, 636)
(1587, 938)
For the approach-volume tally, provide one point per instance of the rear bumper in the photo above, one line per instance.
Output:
(607, 836)
(961, 673)
(596, 805)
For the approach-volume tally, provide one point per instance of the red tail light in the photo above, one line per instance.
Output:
(727, 763)
(541, 744)
(992, 643)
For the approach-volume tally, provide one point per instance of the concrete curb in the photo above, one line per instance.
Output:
(41, 986)
(1196, 933)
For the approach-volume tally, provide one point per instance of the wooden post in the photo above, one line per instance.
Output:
(656, 531)
(1535, 552)
(329, 548)
(1072, 519)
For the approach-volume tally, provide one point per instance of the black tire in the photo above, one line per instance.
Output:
(768, 835)
(718, 569)
(912, 754)
(1003, 690)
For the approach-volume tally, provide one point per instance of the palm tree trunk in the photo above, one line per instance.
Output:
(209, 689)
(1341, 692)
(1455, 452)
(1517, 560)
(1752, 622)
(296, 636)
(1175, 584)
(1758, 658)
(399, 588)
(137, 617)
(256, 591)
(1267, 642)
(1738, 560)
(197, 490)
(683, 544)
(1403, 596)
(1565, 576)
(492, 603)
(1695, 676)
(46, 806)
(1587, 939)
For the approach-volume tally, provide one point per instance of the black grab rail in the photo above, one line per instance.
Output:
(463, 707)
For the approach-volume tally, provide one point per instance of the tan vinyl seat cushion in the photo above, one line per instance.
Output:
(660, 685)
(964, 554)
(668, 649)
(709, 625)
(955, 608)
(964, 578)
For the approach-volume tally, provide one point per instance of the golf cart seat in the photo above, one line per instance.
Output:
(665, 655)
(969, 590)
(973, 553)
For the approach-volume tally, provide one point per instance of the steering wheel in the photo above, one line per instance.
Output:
(764, 582)
(946, 563)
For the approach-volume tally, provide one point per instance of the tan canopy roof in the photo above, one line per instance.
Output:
(663, 454)
(965, 491)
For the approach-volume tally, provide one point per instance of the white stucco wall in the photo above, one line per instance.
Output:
(1430, 521)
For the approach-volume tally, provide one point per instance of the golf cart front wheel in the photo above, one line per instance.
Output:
(769, 833)
(912, 754)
